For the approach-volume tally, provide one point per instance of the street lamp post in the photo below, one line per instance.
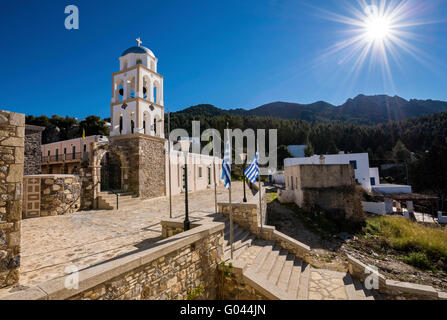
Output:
(243, 157)
(185, 144)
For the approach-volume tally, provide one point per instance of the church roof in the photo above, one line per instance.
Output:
(138, 50)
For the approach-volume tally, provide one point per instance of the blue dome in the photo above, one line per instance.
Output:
(138, 50)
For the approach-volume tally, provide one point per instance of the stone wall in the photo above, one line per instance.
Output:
(344, 203)
(235, 287)
(168, 270)
(12, 138)
(145, 155)
(88, 190)
(390, 288)
(33, 153)
(329, 188)
(60, 194)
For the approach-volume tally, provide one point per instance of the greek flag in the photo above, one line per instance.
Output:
(226, 165)
(252, 172)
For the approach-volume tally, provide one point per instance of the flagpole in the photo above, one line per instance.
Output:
(215, 185)
(260, 200)
(231, 205)
(169, 164)
(260, 188)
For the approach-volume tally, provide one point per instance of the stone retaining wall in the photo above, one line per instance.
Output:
(235, 287)
(12, 141)
(170, 269)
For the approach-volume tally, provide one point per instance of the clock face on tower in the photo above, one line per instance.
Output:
(124, 106)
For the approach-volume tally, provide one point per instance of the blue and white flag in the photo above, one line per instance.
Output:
(226, 165)
(252, 172)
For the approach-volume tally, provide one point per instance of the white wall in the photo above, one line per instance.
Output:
(362, 173)
(195, 163)
(279, 177)
(392, 189)
(374, 173)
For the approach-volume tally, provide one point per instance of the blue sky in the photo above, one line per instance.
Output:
(233, 54)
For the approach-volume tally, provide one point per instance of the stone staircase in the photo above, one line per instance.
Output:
(107, 200)
(278, 274)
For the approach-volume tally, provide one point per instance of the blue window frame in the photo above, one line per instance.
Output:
(373, 181)
(354, 163)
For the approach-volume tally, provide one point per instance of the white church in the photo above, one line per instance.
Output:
(137, 107)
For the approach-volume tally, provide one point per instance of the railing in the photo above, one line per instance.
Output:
(65, 157)
(117, 198)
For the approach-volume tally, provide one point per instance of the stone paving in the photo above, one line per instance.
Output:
(84, 239)
(326, 285)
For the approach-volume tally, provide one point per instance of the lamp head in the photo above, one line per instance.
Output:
(243, 157)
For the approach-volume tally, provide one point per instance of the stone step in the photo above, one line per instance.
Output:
(274, 273)
(303, 289)
(245, 246)
(284, 276)
(261, 256)
(265, 266)
(110, 203)
(355, 290)
(113, 198)
(239, 246)
(237, 232)
(295, 278)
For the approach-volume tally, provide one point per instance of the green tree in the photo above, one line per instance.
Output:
(282, 153)
(93, 125)
(400, 152)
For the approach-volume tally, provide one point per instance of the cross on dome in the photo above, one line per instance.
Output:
(139, 42)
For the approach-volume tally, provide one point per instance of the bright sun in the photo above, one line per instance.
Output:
(378, 28)
(380, 31)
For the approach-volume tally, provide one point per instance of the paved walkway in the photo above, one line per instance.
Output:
(84, 239)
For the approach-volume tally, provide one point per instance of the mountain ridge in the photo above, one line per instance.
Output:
(362, 109)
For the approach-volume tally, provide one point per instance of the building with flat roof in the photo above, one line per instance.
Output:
(66, 157)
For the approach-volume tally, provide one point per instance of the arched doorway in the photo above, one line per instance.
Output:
(110, 172)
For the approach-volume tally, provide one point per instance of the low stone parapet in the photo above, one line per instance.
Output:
(391, 288)
(169, 269)
(172, 227)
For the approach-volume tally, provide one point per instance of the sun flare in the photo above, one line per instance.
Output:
(378, 28)
(378, 31)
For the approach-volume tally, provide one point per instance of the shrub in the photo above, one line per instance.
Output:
(419, 260)
(410, 237)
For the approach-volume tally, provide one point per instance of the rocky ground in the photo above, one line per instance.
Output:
(330, 252)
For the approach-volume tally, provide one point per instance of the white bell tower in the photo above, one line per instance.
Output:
(137, 94)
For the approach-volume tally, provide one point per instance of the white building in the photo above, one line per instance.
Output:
(137, 94)
(364, 175)
(137, 108)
